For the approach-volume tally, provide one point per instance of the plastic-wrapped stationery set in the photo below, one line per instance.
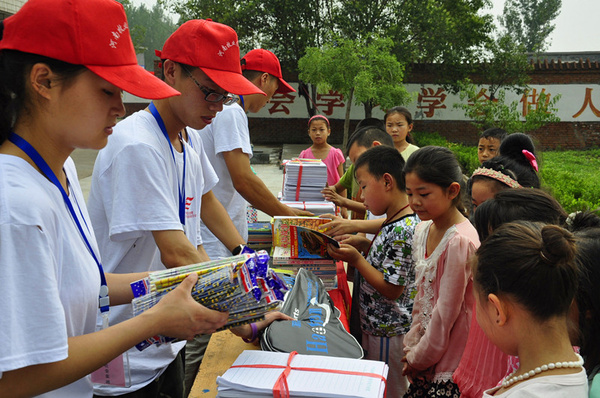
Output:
(244, 285)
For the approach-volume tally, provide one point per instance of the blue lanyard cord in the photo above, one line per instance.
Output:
(242, 101)
(49, 174)
(180, 187)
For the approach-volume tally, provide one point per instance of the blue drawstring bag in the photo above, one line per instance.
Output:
(316, 328)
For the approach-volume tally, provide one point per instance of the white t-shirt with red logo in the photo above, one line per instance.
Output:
(134, 191)
(49, 281)
(227, 132)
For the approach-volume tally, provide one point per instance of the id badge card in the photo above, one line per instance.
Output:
(114, 373)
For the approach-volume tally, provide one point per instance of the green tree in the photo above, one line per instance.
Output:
(286, 27)
(149, 30)
(529, 22)
(443, 31)
(243, 16)
(361, 70)
(443, 34)
(486, 112)
(503, 65)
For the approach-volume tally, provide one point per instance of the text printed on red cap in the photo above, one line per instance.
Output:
(225, 47)
(117, 34)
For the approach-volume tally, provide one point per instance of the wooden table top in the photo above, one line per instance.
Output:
(222, 350)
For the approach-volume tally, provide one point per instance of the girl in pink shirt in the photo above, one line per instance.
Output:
(319, 130)
(443, 243)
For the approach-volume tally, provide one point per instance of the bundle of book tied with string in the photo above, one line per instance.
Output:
(277, 374)
(260, 236)
(303, 181)
(244, 285)
(298, 243)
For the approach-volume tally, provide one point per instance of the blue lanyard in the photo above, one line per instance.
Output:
(49, 174)
(242, 101)
(180, 187)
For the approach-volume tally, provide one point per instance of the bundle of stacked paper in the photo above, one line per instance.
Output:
(304, 179)
(316, 208)
(268, 374)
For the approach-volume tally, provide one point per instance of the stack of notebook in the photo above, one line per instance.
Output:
(316, 208)
(304, 179)
(297, 243)
(259, 374)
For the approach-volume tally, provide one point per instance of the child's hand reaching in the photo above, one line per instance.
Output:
(245, 331)
(330, 194)
(345, 253)
(337, 226)
(360, 242)
(414, 374)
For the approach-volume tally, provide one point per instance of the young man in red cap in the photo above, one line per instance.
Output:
(226, 142)
(150, 188)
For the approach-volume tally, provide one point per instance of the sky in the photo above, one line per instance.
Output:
(575, 27)
(575, 31)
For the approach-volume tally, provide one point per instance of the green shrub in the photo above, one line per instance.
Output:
(424, 139)
(467, 156)
(572, 177)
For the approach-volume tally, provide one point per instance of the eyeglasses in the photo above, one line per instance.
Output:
(211, 95)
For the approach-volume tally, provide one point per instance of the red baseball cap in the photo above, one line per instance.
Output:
(92, 33)
(212, 47)
(265, 61)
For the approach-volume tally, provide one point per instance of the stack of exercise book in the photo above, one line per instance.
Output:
(316, 208)
(304, 179)
(260, 236)
(297, 244)
(268, 374)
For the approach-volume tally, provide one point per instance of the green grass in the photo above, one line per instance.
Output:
(572, 177)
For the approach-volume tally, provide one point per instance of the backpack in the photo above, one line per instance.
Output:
(316, 328)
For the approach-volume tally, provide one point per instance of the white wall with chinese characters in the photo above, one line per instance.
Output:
(578, 103)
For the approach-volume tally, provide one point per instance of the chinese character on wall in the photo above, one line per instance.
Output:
(587, 102)
(430, 100)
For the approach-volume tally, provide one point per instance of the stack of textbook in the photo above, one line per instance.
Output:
(260, 374)
(297, 243)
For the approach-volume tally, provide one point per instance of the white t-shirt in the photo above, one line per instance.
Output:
(573, 385)
(49, 282)
(134, 191)
(228, 131)
(371, 216)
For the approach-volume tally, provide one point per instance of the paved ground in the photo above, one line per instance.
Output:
(269, 173)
